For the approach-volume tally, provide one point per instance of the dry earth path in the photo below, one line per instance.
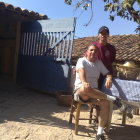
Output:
(29, 115)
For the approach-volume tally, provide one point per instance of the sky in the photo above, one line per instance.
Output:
(57, 9)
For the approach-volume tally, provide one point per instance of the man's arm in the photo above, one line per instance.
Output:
(82, 76)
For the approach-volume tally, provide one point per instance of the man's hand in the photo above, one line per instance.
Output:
(108, 83)
(86, 86)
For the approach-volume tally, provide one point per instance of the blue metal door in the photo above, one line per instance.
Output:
(45, 54)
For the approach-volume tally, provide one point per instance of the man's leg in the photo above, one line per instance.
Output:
(103, 112)
(97, 94)
(102, 118)
(92, 93)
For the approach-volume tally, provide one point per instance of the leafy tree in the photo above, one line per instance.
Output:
(127, 9)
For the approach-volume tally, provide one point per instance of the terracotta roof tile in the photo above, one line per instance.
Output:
(4, 7)
(127, 46)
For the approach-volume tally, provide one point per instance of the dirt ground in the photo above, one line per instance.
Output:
(30, 115)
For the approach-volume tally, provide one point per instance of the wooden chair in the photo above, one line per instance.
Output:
(76, 106)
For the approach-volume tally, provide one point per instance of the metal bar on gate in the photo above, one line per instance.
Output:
(26, 47)
(71, 45)
(54, 40)
(34, 43)
(36, 46)
(60, 46)
(60, 39)
(31, 50)
(67, 46)
(29, 44)
(63, 47)
(45, 43)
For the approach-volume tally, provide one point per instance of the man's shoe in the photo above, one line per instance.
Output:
(100, 137)
(130, 115)
(117, 102)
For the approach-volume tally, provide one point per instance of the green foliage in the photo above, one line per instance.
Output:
(69, 2)
(122, 8)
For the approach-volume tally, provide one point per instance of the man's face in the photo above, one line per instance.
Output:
(92, 53)
(103, 36)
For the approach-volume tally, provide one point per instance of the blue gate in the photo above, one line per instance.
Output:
(45, 54)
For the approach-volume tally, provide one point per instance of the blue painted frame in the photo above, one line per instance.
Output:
(45, 54)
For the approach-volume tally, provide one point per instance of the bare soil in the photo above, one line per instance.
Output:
(30, 115)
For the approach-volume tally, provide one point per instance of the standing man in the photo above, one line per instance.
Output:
(107, 52)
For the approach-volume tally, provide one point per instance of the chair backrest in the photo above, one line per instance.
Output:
(72, 76)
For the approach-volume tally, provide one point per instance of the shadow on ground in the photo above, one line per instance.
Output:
(27, 106)
(127, 132)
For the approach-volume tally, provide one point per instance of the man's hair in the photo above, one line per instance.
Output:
(85, 54)
(93, 45)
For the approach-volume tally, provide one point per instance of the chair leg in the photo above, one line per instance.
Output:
(136, 111)
(97, 109)
(90, 115)
(72, 109)
(77, 117)
(124, 118)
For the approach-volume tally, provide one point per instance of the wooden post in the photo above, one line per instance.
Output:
(16, 50)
